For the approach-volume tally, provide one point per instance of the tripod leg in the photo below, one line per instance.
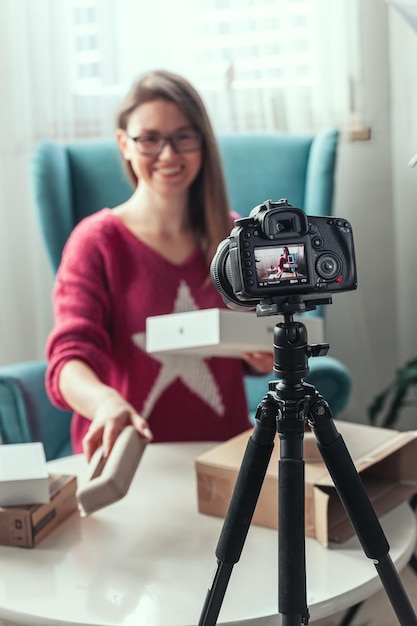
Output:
(241, 508)
(291, 515)
(358, 507)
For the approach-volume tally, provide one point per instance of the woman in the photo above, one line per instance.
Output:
(148, 256)
(283, 259)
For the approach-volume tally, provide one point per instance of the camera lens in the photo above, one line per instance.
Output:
(328, 266)
(222, 279)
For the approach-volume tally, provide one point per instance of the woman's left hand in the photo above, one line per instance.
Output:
(261, 362)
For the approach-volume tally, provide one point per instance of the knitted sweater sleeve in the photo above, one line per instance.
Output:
(81, 300)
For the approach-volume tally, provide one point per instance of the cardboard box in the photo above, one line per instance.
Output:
(218, 332)
(23, 474)
(26, 526)
(384, 458)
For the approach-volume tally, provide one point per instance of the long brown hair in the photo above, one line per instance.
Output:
(208, 202)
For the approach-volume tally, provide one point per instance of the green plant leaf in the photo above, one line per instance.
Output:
(394, 395)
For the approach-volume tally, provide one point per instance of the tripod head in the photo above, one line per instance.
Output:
(291, 347)
(292, 350)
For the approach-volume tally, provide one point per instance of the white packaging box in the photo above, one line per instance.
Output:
(23, 474)
(219, 332)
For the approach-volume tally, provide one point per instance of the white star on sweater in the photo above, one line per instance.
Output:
(193, 371)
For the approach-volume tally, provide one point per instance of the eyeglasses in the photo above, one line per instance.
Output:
(184, 141)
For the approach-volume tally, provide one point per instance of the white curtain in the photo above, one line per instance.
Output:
(66, 63)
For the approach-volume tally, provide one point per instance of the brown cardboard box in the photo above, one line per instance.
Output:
(26, 526)
(384, 458)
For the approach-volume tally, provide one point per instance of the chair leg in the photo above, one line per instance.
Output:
(413, 563)
(350, 614)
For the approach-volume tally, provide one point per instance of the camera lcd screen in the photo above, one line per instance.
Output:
(281, 265)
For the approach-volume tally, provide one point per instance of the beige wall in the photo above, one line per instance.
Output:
(374, 329)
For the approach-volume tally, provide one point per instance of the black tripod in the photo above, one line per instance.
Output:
(284, 409)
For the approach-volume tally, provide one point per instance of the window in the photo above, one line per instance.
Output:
(94, 46)
(260, 64)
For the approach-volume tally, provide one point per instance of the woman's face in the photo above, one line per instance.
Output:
(170, 172)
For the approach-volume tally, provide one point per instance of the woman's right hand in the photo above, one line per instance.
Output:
(108, 411)
(110, 418)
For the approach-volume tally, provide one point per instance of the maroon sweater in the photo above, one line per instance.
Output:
(108, 283)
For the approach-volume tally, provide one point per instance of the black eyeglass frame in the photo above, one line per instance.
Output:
(171, 139)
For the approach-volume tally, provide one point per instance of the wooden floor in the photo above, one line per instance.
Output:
(377, 611)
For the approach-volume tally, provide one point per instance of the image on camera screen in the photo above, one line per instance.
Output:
(283, 264)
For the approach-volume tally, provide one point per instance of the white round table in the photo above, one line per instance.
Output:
(148, 559)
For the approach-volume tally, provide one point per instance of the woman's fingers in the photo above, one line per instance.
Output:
(105, 432)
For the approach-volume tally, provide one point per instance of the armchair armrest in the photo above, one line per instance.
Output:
(26, 414)
(332, 380)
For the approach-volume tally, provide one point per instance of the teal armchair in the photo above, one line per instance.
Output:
(72, 181)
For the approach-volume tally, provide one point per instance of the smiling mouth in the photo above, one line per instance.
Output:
(170, 171)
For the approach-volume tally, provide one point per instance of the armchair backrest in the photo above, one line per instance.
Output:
(74, 180)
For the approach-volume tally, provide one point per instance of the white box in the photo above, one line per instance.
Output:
(218, 332)
(23, 474)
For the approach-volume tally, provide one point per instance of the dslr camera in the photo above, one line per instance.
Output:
(279, 252)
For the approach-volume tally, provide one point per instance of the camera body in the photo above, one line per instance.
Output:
(279, 250)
